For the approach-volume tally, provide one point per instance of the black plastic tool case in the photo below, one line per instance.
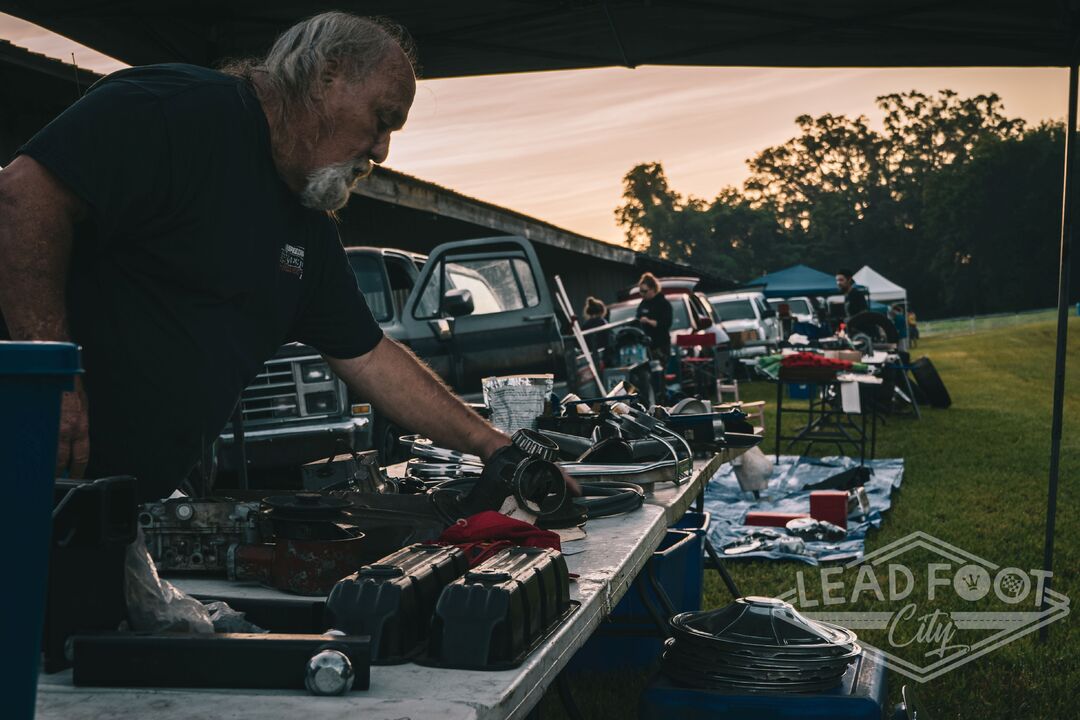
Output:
(494, 616)
(393, 600)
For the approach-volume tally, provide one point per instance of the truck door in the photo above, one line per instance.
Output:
(511, 326)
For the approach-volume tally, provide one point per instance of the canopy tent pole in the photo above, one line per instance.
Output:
(1067, 230)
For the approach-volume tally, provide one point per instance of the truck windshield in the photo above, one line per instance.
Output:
(370, 280)
(734, 309)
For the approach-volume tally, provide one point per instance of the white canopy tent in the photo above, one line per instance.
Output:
(881, 288)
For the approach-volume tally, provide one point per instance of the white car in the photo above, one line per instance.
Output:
(745, 316)
(801, 308)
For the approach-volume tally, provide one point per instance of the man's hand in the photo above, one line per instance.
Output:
(73, 448)
(648, 321)
(405, 390)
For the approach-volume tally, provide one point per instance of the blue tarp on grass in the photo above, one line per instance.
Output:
(729, 505)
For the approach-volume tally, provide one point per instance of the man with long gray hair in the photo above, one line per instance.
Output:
(174, 223)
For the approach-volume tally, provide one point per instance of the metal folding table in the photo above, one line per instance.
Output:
(614, 552)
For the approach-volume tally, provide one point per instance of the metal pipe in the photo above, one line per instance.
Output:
(1067, 230)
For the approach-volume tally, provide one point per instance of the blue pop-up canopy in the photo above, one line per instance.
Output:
(793, 281)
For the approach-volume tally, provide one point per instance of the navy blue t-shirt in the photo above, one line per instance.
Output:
(194, 264)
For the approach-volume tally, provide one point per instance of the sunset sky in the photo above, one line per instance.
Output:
(555, 145)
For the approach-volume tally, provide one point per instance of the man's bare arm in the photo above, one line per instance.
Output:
(412, 396)
(37, 215)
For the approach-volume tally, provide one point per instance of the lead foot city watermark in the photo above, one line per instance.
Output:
(932, 616)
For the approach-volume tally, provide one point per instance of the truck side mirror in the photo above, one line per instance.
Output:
(704, 322)
(457, 302)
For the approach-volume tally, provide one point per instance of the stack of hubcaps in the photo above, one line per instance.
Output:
(757, 644)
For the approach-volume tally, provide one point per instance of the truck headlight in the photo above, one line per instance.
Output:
(320, 403)
(315, 372)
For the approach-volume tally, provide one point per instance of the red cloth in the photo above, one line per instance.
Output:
(482, 534)
(807, 359)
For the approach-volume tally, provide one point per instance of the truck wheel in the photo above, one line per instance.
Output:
(875, 326)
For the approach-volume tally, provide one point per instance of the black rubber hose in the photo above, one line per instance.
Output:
(610, 498)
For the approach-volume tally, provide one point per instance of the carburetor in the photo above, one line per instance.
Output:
(185, 535)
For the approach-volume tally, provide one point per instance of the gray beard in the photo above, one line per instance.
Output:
(328, 188)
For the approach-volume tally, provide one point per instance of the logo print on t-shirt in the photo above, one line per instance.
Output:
(292, 260)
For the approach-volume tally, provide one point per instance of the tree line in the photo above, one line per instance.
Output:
(951, 199)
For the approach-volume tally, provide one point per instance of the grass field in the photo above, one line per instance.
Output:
(976, 477)
(982, 323)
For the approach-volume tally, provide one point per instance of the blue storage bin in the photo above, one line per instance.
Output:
(33, 375)
(862, 695)
(694, 577)
(679, 555)
(800, 391)
(629, 639)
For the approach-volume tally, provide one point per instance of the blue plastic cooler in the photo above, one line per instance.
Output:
(33, 375)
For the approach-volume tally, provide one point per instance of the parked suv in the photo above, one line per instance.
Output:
(471, 309)
(751, 323)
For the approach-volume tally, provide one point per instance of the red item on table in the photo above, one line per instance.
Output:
(808, 359)
(830, 506)
(481, 535)
(771, 519)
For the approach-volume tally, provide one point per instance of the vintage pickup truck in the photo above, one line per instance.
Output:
(471, 309)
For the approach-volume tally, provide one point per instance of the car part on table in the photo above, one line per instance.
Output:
(571, 447)
(393, 599)
(644, 475)
(428, 470)
(714, 431)
(358, 471)
(93, 522)
(314, 545)
(816, 530)
(610, 498)
(495, 615)
(423, 448)
(525, 470)
(622, 450)
(329, 672)
(193, 535)
(209, 660)
(757, 644)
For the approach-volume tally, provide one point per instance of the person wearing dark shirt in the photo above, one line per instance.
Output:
(595, 317)
(655, 316)
(176, 223)
(855, 300)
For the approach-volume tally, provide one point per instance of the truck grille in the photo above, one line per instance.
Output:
(272, 395)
